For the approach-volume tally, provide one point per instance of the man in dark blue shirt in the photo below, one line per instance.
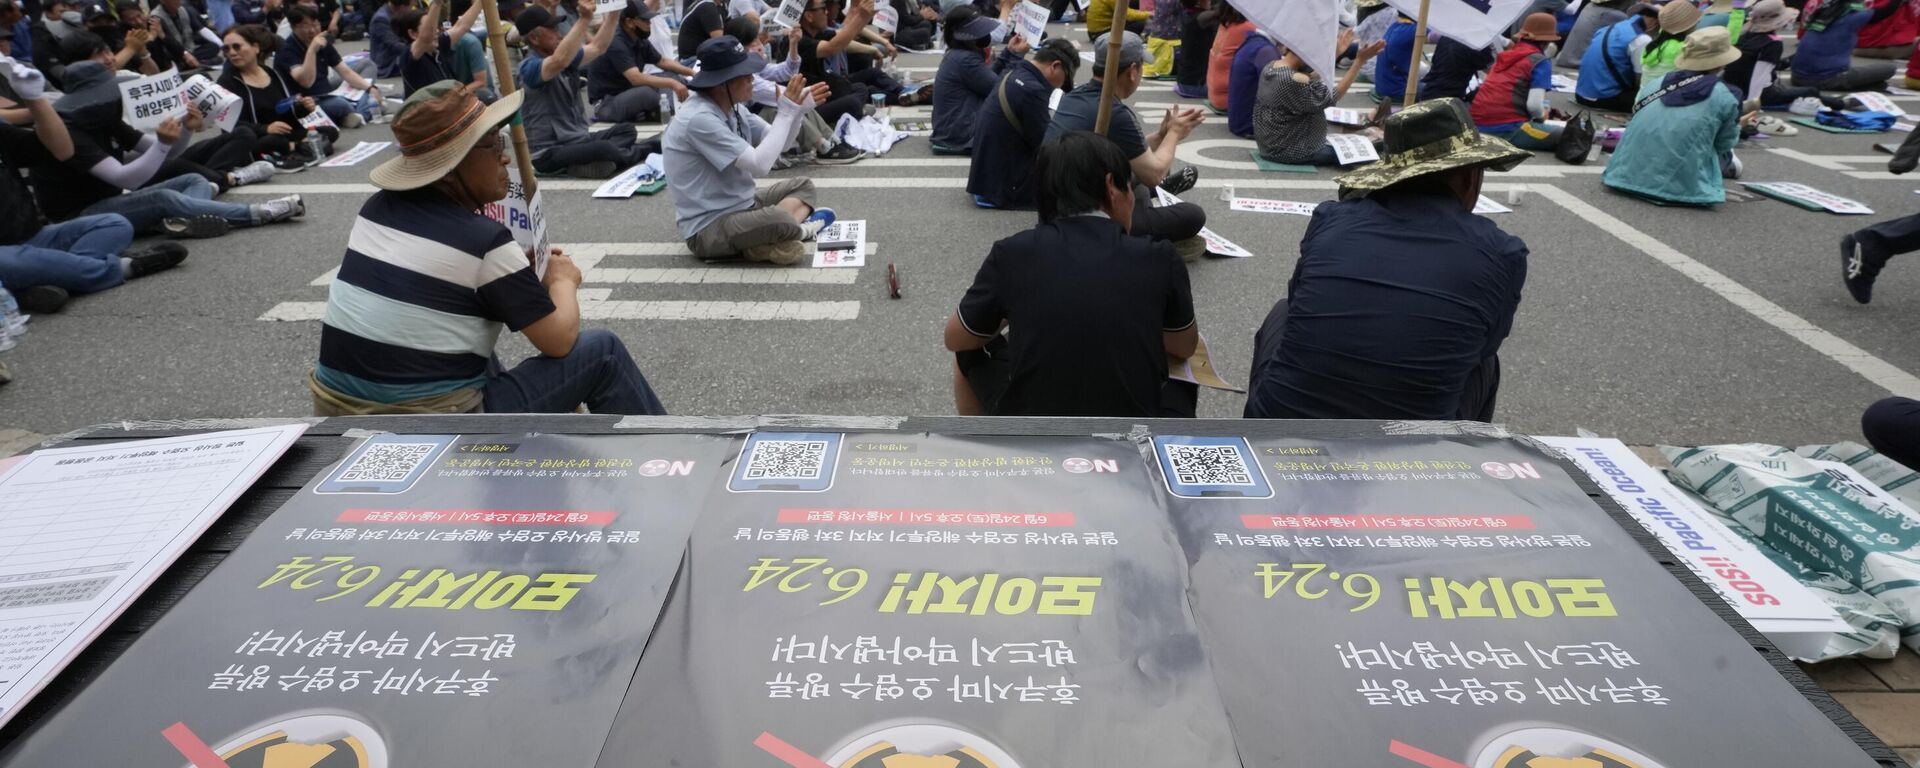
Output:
(1401, 296)
(618, 85)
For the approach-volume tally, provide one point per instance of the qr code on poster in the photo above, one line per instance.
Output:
(387, 462)
(786, 460)
(1208, 465)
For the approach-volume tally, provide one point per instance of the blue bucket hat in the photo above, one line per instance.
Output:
(721, 59)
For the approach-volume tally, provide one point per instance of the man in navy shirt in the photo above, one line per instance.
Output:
(1401, 296)
(618, 85)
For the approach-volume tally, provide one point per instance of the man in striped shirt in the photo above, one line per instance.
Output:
(428, 283)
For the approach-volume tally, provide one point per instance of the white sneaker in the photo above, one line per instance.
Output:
(252, 173)
(278, 209)
(1806, 106)
(391, 107)
(354, 120)
(1734, 166)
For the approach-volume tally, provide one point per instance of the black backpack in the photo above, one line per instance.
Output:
(15, 196)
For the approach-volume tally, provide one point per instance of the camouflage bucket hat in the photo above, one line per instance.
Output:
(1427, 138)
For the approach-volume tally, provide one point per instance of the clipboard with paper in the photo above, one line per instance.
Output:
(1199, 369)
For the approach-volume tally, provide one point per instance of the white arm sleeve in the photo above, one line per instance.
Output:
(1762, 77)
(140, 171)
(1637, 51)
(759, 160)
(1537, 103)
(209, 36)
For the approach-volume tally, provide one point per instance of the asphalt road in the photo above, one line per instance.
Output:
(1655, 325)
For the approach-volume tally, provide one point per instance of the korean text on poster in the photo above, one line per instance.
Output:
(147, 101)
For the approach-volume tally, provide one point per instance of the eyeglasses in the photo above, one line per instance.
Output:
(234, 46)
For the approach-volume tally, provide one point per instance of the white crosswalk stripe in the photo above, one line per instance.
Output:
(596, 261)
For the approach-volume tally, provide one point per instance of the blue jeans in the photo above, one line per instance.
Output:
(598, 372)
(178, 197)
(81, 255)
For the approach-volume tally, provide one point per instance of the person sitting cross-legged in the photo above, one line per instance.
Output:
(1401, 296)
(1091, 314)
(428, 283)
(715, 148)
(618, 85)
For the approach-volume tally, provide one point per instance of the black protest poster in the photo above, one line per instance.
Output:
(428, 601)
(887, 601)
(1458, 603)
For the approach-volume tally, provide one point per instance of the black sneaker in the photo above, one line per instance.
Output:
(158, 257)
(1181, 180)
(41, 299)
(1853, 270)
(288, 163)
(841, 154)
(195, 227)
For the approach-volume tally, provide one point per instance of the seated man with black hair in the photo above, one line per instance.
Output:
(429, 50)
(1094, 314)
(1150, 156)
(552, 75)
(309, 60)
(618, 85)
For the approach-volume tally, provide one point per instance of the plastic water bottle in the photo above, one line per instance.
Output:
(11, 324)
(666, 107)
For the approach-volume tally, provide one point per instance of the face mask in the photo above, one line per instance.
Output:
(71, 17)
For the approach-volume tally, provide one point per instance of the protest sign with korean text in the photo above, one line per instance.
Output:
(147, 101)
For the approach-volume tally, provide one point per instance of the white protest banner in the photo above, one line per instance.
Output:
(216, 104)
(1343, 116)
(1486, 205)
(1306, 27)
(624, 184)
(1216, 245)
(1352, 148)
(145, 102)
(886, 20)
(1807, 197)
(1764, 594)
(1259, 205)
(1876, 102)
(522, 217)
(1474, 22)
(604, 7)
(788, 15)
(360, 152)
(1030, 21)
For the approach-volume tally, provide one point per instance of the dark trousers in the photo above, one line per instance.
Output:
(598, 373)
(1620, 102)
(1174, 222)
(877, 80)
(1781, 95)
(1871, 76)
(845, 104)
(213, 158)
(617, 144)
(629, 106)
(1892, 427)
(1885, 240)
(989, 370)
(1477, 396)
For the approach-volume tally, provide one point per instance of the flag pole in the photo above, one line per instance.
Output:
(1419, 48)
(503, 75)
(1119, 28)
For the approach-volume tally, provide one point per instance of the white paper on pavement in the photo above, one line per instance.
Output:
(147, 101)
(1352, 148)
(86, 529)
(217, 104)
(360, 151)
(625, 183)
(1809, 197)
(1030, 20)
(1563, 83)
(1486, 205)
(1764, 594)
(1344, 116)
(1260, 205)
(1216, 245)
(1877, 102)
(348, 92)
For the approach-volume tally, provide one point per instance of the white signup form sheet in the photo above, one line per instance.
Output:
(85, 530)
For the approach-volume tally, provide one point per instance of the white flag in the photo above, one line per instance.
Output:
(1474, 22)
(1309, 28)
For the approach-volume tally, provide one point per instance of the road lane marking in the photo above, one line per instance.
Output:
(603, 309)
(1873, 369)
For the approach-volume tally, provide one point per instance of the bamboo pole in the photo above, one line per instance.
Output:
(1119, 28)
(503, 75)
(1419, 48)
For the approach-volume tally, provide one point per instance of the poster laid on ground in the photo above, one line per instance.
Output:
(1452, 601)
(876, 601)
(427, 601)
